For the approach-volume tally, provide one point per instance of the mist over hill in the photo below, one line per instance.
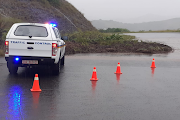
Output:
(61, 12)
(144, 18)
(171, 24)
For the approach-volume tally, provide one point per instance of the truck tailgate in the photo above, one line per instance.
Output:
(30, 48)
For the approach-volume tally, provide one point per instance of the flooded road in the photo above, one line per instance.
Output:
(140, 93)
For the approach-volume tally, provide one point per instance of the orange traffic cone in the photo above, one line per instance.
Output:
(94, 75)
(153, 64)
(118, 71)
(36, 87)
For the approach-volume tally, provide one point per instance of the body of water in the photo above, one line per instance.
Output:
(171, 39)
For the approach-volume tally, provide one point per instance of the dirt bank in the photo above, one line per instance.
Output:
(129, 47)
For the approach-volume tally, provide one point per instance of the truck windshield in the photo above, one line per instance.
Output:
(31, 30)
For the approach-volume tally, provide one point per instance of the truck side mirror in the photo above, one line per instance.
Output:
(64, 38)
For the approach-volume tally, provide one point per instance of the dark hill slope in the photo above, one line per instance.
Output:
(67, 17)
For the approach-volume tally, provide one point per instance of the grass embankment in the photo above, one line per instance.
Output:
(96, 42)
(156, 31)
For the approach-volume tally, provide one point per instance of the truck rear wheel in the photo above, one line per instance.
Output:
(57, 68)
(62, 60)
(12, 68)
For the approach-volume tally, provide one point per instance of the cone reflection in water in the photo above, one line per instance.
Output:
(93, 86)
(118, 70)
(153, 63)
(36, 87)
(118, 77)
(94, 75)
(35, 99)
(152, 71)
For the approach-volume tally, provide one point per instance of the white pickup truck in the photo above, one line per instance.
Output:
(32, 44)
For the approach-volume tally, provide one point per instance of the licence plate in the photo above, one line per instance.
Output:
(29, 61)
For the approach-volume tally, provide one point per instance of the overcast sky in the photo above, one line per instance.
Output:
(122, 10)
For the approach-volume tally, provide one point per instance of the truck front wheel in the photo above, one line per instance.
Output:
(12, 68)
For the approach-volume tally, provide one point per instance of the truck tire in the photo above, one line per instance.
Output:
(62, 60)
(57, 68)
(12, 68)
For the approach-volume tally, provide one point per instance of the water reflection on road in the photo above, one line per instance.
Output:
(16, 106)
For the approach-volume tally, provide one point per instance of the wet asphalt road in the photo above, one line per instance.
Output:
(140, 93)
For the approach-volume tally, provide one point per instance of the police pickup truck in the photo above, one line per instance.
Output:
(32, 44)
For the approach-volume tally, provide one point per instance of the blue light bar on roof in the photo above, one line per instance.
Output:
(53, 25)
